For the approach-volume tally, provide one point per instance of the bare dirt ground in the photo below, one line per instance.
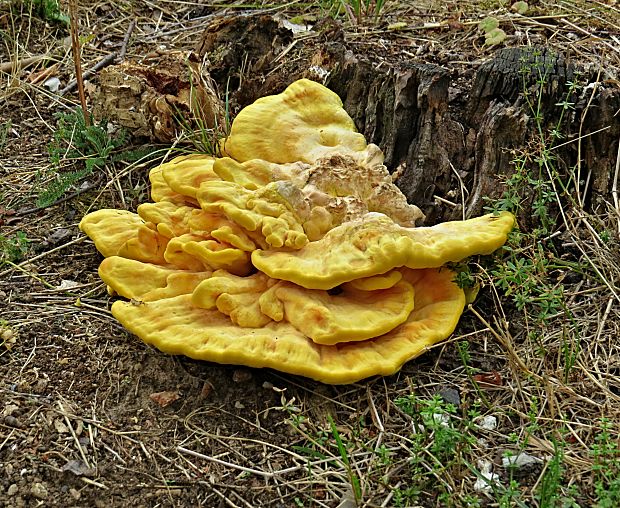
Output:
(79, 425)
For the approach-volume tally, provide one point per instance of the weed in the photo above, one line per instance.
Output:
(439, 436)
(406, 496)
(5, 129)
(549, 493)
(526, 274)
(13, 249)
(49, 10)
(195, 127)
(92, 144)
(463, 350)
(606, 456)
(384, 455)
(531, 269)
(73, 139)
(464, 278)
(357, 10)
(510, 495)
(492, 33)
(353, 478)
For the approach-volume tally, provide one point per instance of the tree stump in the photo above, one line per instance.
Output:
(449, 146)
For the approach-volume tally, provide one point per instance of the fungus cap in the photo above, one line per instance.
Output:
(147, 282)
(123, 233)
(375, 244)
(353, 314)
(185, 174)
(175, 326)
(303, 123)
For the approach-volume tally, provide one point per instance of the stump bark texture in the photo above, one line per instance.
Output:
(450, 138)
(449, 141)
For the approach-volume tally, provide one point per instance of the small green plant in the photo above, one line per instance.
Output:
(73, 139)
(342, 450)
(527, 274)
(358, 10)
(605, 453)
(49, 10)
(550, 490)
(93, 145)
(201, 126)
(520, 7)
(13, 249)
(493, 35)
(438, 444)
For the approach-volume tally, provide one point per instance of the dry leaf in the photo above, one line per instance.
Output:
(60, 427)
(165, 398)
(490, 378)
(494, 37)
(78, 468)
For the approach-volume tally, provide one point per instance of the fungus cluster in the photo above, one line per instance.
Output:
(293, 251)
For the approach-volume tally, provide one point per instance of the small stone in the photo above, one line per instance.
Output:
(441, 419)
(13, 489)
(239, 405)
(488, 422)
(78, 468)
(59, 236)
(75, 494)
(521, 459)
(165, 398)
(485, 483)
(11, 421)
(39, 491)
(52, 84)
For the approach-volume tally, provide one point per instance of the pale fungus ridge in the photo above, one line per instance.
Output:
(294, 251)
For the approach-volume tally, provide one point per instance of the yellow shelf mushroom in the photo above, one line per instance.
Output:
(294, 251)
(175, 326)
(375, 244)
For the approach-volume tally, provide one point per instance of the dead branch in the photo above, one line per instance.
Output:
(104, 62)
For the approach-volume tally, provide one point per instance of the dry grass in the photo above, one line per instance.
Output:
(78, 426)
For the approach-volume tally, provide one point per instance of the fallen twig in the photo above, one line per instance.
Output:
(104, 62)
(21, 64)
(75, 48)
(68, 197)
(614, 188)
(265, 474)
(121, 53)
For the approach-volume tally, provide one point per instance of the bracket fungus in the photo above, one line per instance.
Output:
(293, 251)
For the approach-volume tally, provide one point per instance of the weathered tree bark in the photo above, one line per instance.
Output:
(442, 149)
(449, 151)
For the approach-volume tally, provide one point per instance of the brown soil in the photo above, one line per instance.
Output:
(79, 425)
